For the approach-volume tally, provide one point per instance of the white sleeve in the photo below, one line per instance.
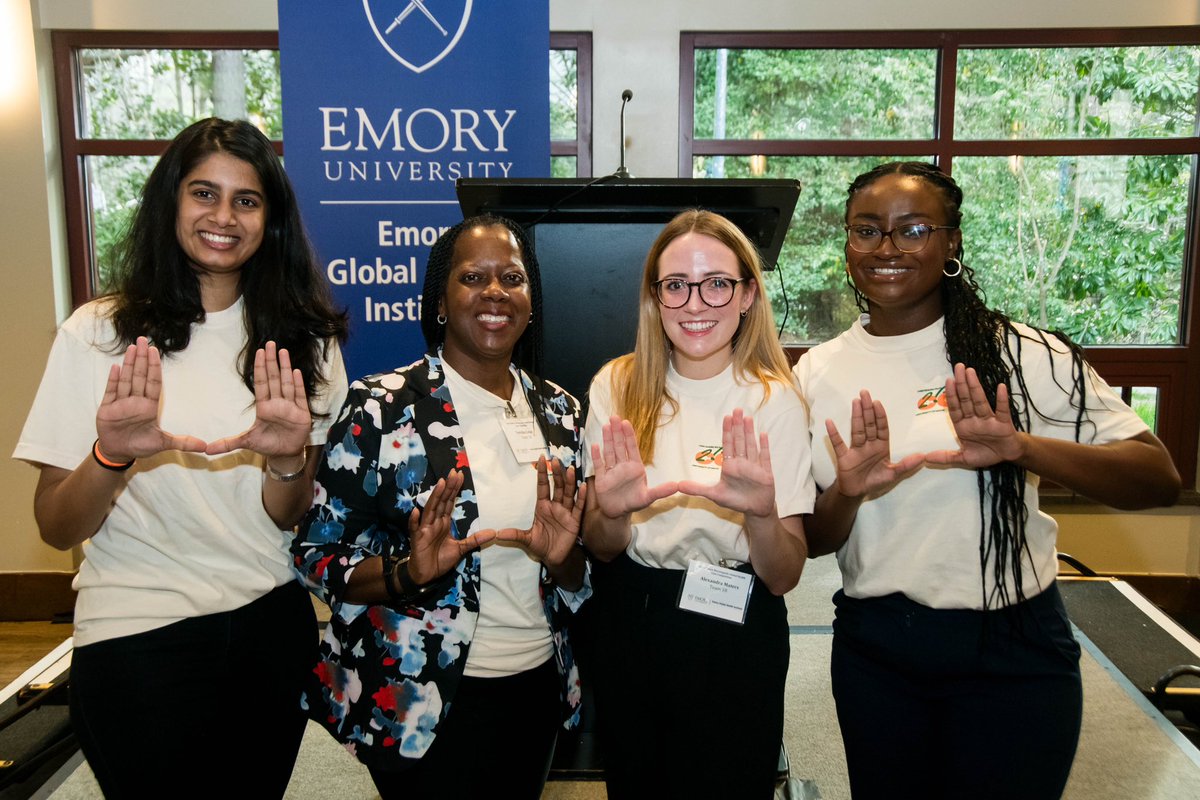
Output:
(61, 425)
(599, 410)
(1049, 378)
(332, 394)
(785, 422)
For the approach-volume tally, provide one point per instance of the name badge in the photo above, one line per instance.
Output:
(716, 591)
(524, 437)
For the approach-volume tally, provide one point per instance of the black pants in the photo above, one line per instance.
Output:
(956, 703)
(687, 706)
(205, 707)
(497, 741)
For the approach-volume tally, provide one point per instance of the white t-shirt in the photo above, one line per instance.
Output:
(677, 529)
(188, 534)
(512, 634)
(922, 537)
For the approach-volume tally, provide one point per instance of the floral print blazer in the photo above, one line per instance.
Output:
(386, 675)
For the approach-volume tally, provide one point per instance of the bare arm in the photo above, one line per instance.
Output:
(71, 505)
(1128, 474)
(286, 502)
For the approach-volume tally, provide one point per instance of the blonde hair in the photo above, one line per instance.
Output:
(639, 379)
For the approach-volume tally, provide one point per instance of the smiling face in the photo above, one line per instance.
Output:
(903, 289)
(220, 218)
(702, 336)
(486, 303)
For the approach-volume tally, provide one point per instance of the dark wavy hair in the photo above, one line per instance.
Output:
(156, 293)
(528, 352)
(987, 340)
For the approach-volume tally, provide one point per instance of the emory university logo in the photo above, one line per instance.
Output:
(418, 33)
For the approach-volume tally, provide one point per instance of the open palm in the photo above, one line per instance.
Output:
(433, 550)
(864, 466)
(620, 481)
(282, 421)
(556, 516)
(127, 419)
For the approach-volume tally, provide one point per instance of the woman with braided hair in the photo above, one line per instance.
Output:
(954, 669)
(444, 537)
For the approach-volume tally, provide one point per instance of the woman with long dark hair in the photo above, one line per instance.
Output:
(954, 668)
(189, 624)
(445, 539)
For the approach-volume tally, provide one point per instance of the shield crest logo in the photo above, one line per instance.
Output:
(418, 33)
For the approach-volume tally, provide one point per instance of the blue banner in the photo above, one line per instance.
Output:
(385, 104)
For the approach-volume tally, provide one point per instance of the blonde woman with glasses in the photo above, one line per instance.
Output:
(698, 523)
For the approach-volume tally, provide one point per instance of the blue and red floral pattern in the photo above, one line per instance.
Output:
(387, 676)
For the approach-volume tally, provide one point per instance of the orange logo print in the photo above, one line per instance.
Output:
(931, 400)
(710, 456)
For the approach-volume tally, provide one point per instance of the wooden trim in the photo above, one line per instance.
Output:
(581, 147)
(1174, 369)
(26, 596)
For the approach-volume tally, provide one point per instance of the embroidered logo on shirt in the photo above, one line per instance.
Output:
(931, 400)
(709, 457)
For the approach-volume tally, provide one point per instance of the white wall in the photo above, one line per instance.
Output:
(635, 46)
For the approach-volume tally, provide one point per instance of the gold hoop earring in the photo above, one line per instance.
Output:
(957, 268)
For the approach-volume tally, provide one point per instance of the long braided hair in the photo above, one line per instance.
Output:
(987, 340)
(528, 352)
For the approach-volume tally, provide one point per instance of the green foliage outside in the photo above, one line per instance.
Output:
(153, 94)
(564, 94)
(1093, 245)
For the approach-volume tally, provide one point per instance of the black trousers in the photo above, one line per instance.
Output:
(205, 707)
(497, 741)
(956, 703)
(687, 706)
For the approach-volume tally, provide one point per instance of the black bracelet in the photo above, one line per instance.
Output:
(398, 581)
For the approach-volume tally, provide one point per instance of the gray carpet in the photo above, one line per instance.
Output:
(1124, 751)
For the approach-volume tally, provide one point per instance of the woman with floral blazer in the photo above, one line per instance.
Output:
(397, 481)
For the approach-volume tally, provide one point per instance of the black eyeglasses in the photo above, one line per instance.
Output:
(905, 238)
(716, 291)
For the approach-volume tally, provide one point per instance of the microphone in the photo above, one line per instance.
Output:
(621, 172)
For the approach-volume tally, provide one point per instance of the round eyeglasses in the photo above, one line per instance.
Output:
(716, 291)
(905, 238)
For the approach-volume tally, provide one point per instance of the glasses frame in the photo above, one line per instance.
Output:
(695, 286)
(888, 235)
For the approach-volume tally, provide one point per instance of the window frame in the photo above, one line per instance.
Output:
(75, 148)
(1173, 369)
(581, 146)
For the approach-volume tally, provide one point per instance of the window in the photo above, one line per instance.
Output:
(1077, 154)
(570, 105)
(123, 96)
